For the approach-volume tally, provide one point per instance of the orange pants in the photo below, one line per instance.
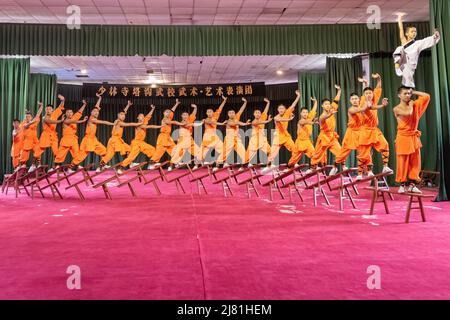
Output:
(255, 144)
(364, 157)
(15, 154)
(163, 144)
(320, 152)
(287, 142)
(47, 140)
(25, 154)
(408, 166)
(115, 144)
(183, 145)
(382, 146)
(64, 149)
(211, 141)
(305, 147)
(96, 146)
(138, 146)
(233, 143)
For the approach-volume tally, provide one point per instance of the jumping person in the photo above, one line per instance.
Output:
(116, 142)
(407, 55)
(407, 143)
(17, 142)
(69, 139)
(30, 138)
(210, 138)
(281, 135)
(371, 136)
(232, 139)
(304, 130)
(185, 141)
(138, 144)
(164, 143)
(258, 140)
(328, 137)
(49, 136)
(90, 142)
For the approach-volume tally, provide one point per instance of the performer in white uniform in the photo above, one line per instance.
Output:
(407, 55)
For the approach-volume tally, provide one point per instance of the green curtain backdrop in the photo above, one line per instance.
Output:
(14, 76)
(440, 18)
(382, 64)
(93, 40)
(344, 72)
(42, 87)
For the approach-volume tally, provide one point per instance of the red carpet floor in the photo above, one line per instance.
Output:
(210, 247)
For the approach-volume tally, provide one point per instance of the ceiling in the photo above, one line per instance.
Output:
(209, 12)
(179, 70)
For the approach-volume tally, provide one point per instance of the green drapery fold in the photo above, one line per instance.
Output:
(93, 40)
(42, 87)
(383, 64)
(440, 18)
(14, 76)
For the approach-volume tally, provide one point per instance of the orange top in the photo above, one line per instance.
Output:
(167, 128)
(117, 132)
(71, 129)
(30, 135)
(304, 132)
(191, 119)
(140, 133)
(408, 137)
(281, 127)
(371, 116)
(233, 130)
(51, 127)
(215, 117)
(258, 129)
(91, 129)
(18, 138)
(329, 125)
(355, 121)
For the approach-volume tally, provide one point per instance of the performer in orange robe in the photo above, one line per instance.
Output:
(138, 144)
(69, 139)
(30, 139)
(304, 130)
(407, 143)
(116, 142)
(328, 137)
(90, 142)
(17, 143)
(210, 138)
(370, 135)
(281, 135)
(258, 140)
(49, 136)
(232, 139)
(185, 141)
(164, 143)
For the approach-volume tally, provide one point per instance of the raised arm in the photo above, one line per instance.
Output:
(338, 94)
(266, 109)
(420, 94)
(244, 105)
(194, 110)
(129, 104)
(39, 112)
(224, 101)
(297, 99)
(314, 108)
(403, 39)
(150, 113)
(175, 106)
(61, 103)
(99, 101)
(82, 107)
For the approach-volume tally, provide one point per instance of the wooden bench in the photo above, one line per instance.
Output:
(199, 179)
(14, 180)
(278, 178)
(168, 177)
(412, 198)
(32, 180)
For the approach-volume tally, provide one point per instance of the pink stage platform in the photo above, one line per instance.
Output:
(177, 246)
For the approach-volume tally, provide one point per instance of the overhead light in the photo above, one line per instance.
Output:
(83, 71)
(279, 72)
(153, 85)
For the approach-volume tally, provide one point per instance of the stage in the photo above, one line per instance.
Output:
(177, 246)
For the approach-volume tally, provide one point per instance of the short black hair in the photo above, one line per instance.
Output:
(325, 100)
(368, 89)
(401, 88)
(409, 27)
(354, 94)
(304, 108)
(49, 105)
(15, 119)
